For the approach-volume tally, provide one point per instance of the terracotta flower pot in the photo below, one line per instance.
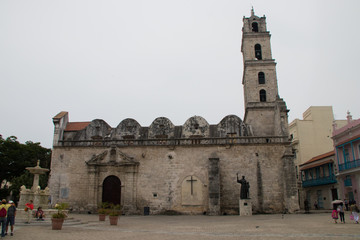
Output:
(113, 220)
(102, 217)
(57, 223)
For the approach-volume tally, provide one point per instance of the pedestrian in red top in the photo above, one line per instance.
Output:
(29, 207)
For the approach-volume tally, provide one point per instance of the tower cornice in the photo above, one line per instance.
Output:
(260, 62)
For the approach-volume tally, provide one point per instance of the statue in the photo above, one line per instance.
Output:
(244, 191)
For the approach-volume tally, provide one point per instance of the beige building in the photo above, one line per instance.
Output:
(312, 137)
(191, 168)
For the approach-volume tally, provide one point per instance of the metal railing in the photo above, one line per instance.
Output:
(319, 181)
(349, 165)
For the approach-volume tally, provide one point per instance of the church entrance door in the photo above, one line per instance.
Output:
(111, 190)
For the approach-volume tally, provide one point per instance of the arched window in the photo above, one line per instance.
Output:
(262, 95)
(261, 77)
(255, 27)
(258, 51)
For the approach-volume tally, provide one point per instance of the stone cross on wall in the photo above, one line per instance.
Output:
(191, 182)
(192, 191)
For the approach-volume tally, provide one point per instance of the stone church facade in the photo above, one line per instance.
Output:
(190, 168)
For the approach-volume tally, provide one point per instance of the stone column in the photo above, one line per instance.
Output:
(291, 203)
(129, 193)
(214, 186)
(93, 188)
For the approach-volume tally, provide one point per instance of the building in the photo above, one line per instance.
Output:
(311, 138)
(318, 181)
(190, 168)
(347, 150)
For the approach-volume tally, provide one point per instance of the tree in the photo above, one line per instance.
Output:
(15, 157)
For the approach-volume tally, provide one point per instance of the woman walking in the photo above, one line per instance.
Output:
(341, 212)
(354, 213)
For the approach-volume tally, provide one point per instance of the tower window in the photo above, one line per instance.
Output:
(261, 77)
(255, 27)
(258, 51)
(262, 95)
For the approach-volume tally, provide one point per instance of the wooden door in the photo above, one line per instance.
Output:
(112, 190)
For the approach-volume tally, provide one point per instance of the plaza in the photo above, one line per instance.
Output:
(269, 226)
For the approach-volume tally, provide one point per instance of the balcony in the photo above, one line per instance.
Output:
(319, 181)
(349, 165)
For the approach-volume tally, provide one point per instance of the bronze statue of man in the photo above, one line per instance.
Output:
(244, 191)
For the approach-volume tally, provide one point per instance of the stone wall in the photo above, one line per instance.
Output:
(159, 177)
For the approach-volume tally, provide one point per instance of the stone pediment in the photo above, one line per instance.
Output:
(112, 157)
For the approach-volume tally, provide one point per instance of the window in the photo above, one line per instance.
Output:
(255, 27)
(346, 156)
(258, 52)
(347, 181)
(261, 77)
(321, 171)
(262, 95)
(297, 173)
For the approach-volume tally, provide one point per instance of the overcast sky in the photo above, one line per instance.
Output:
(166, 58)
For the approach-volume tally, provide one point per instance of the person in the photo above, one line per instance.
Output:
(354, 213)
(11, 218)
(316, 205)
(244, 191)
(346, 204)
(340, 209)
(306, 206)
(39, 214)
(28, 208)
(334, 213)
(3, 213)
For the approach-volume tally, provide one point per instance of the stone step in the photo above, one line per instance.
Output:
(47, 221)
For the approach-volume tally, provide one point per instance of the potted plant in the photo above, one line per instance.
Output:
(114, 212)
(102, 210)
(58, 218)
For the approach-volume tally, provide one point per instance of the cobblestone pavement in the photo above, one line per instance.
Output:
(290, 226)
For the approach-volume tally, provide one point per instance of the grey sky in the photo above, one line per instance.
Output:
(162, 58)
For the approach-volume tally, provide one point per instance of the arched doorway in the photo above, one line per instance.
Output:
(111, 190)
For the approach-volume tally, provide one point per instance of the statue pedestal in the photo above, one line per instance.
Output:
(245, 207)
(39, 197)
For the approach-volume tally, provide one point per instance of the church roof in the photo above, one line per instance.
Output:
(76, 126)
(60, 115)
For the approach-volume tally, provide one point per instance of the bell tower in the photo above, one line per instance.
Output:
(264, 110)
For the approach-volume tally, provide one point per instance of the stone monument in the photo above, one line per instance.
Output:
(245, 206)
(40, 197)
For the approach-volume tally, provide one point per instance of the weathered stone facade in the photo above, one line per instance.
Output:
(187, 169)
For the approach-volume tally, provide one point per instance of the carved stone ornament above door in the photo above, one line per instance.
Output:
(112, 157)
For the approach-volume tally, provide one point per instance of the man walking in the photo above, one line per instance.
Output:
(3, 213)
(11, 213)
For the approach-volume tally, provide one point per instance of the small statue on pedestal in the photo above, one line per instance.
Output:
(244, 191)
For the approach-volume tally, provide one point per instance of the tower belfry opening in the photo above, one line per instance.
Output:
(255, 27)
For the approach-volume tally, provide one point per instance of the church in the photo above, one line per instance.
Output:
(187, 169)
